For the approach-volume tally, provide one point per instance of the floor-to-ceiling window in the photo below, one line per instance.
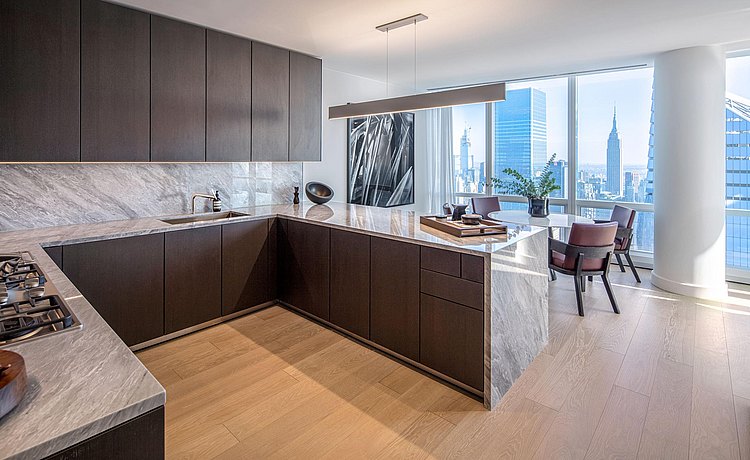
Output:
(615, 148)
(738, 166)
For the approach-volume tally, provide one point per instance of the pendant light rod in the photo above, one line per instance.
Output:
(407, 21)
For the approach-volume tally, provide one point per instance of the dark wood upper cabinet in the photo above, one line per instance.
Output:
(192, 277)
(394, 296)
(124, 281)
(40, 80)
(304, 266)
(270, 103)
(305, 107)
(228, 97)
(178, 91)
(245, 280)
(350, 281)
(115, 53)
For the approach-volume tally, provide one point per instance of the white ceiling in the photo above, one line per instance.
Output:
(471, 41)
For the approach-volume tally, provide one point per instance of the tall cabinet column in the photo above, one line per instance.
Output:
(689, 171)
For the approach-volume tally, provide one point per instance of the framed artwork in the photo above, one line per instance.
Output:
(380, 161)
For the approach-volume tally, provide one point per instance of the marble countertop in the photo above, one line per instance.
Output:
(384, 222)
(83, 382)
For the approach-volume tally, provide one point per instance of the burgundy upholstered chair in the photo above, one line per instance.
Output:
(587, 253)
(625, 217)
(485, 205)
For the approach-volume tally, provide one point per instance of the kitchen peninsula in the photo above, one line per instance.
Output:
(472, 311)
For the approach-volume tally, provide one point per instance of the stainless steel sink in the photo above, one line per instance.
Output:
(204, 217)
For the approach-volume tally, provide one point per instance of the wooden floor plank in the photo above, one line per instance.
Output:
(574, 426)
(713, 428)
(666, 432)
(619, 431)
(742, 415)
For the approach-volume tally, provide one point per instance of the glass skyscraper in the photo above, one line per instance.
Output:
(738, 180)
(521, 132)
(614, 160)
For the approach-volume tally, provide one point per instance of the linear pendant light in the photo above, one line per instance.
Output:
(431, 100)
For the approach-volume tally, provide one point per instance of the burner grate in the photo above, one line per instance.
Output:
(20, 318)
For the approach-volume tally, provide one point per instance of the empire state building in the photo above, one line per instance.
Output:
(614, 160)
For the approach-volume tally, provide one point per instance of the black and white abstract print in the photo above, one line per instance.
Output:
(381, 160)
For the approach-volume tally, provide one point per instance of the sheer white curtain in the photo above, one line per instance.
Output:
(439, 158)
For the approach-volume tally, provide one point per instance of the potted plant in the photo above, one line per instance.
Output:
(536, 190)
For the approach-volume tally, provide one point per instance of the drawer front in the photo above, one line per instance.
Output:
(454, 289)
(451, 340)
(441, 261)
(472, 268)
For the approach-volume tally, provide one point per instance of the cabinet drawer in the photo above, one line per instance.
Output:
(441, 261)
(452, 340)
(472, 268)
(454, 289)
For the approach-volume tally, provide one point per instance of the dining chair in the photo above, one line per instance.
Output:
(625, 217)
(485, 205)
(586, 254)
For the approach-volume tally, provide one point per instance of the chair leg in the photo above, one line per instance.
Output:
(583, 284)
(611, 294)
(591, 278)
(619, 262)
(632, 267)
(552, 274)
(579, 298)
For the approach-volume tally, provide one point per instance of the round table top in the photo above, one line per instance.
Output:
(553, 220)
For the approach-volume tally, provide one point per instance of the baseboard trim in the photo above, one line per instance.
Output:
(691, 290)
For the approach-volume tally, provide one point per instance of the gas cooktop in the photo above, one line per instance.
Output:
(30, 307)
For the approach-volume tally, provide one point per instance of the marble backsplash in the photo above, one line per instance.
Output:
(45, 195)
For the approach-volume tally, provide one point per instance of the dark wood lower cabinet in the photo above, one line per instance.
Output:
(55, 253)
(304, 251)
(192, 277)
(141, 438)
(394, 296)
(124, 281)
(350, 282)
(245, 280)
(451, 340)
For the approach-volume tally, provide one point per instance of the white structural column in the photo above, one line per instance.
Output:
(689, 172)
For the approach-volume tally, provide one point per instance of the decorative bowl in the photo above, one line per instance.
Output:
(318, 193)
(471, 219)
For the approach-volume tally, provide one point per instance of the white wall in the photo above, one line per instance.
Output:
(340, 88)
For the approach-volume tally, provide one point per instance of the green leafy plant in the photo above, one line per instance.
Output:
(518, 184)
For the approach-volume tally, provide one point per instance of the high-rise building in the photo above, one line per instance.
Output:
(614, 160)
(464, 151)
(521, 132)
(644, 233)
(737, 178)
(629, 187)
(559, 170)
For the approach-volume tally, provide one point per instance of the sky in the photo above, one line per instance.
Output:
(598, 94)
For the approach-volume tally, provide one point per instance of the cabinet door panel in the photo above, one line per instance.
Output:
(124, 280)
(394, 296)
(305, 107)
(228, 97)
(451, 340)
(115, 54)
(178, 91)
(270, 103)
(40, 80)
(192, 283)
(350, 281)
(245, 271)
(305, 270)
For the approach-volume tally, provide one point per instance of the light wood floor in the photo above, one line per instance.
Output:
(668, 378)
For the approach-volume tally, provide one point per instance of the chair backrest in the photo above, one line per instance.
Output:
(624, 218)
(485, 205)
(592, 236)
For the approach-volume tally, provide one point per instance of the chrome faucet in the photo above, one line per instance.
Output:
(215, 200)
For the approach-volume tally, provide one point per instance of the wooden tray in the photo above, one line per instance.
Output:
(485, 227)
